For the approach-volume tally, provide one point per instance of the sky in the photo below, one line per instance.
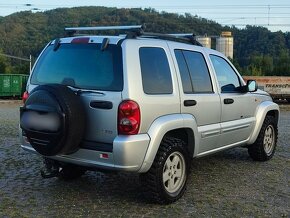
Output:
(273, 14)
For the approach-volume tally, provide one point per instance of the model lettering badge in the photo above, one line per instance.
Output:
(103, 131)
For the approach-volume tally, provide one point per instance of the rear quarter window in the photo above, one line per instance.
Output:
(155, 70)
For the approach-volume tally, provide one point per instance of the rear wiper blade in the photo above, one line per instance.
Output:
(81, 91)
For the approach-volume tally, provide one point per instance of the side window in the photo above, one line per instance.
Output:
(194, 72)
(184, 73)
(156, 75)
(227, 77)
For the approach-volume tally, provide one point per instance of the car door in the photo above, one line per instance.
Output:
(199, 96)
(238, 106)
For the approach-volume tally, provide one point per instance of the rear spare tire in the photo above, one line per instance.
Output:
(53, 120)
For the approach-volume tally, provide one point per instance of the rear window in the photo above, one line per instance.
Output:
(82, 66)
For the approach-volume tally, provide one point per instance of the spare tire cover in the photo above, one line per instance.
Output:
(53, 120)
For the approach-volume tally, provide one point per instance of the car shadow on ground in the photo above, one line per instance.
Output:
(127, 187)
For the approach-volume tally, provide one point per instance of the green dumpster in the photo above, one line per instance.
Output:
(12, 85)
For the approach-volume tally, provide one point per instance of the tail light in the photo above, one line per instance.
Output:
(128, 118)
(25, 96)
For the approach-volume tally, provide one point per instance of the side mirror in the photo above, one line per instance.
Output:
(252, 85)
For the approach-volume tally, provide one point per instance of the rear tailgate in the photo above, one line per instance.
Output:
(101, 116)
(95, 74)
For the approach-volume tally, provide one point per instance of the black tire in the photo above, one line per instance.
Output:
(67, 109)
(265, 145)
(153, 180)
(71, 172)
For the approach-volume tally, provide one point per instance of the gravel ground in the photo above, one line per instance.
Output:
(228, 184)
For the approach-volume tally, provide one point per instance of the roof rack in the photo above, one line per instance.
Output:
(135, 28)
(184, 38)
(138, 31)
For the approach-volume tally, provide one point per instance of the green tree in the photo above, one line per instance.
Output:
(282, 66)
(236, 64)
(255, 66)
(267, 65)
(3, 64)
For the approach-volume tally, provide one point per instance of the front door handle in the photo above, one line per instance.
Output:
(188, 103)
(228, 101)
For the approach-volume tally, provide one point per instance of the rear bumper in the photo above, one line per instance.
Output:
(128, 154)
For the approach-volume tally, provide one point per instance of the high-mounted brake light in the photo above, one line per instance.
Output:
(129, 118)
(25, 96)
(80, 40)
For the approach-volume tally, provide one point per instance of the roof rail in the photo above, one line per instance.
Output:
(188, 38)
(138, 31)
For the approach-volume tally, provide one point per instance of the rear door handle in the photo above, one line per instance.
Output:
(188, 103)
(228, 101)
(107, 105)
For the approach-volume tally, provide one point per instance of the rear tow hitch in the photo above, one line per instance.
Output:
(51, 169)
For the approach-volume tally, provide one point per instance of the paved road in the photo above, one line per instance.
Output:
(228, 184)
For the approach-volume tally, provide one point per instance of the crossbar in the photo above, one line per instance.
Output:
(100, 28)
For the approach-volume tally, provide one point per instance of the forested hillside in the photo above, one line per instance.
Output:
(256, 50)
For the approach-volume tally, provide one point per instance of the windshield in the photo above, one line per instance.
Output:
(82, 66)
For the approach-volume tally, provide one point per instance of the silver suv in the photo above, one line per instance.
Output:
(141, 102)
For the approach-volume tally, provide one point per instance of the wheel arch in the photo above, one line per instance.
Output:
(181, 126)
(267, 108)
(186, 135)
(275, 114)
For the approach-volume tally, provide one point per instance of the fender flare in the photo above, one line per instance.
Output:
(261, 113)
(158, 130)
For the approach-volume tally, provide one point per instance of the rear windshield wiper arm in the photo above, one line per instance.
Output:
(81, 91)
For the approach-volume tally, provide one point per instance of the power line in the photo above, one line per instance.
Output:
(218, 18)
(199, 9)
(15, 57)
(257, 24)
(191, 6)
(20, 58)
